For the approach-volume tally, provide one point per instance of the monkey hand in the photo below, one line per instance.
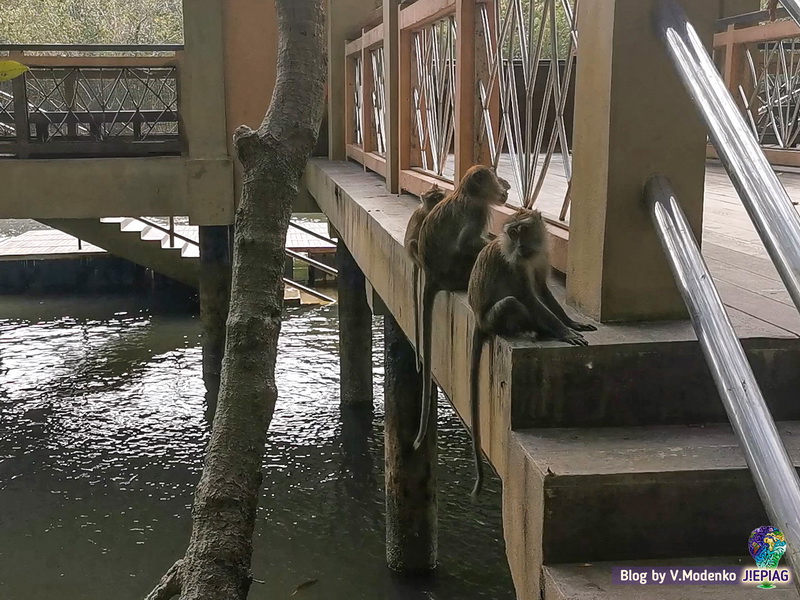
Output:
(574, 338)
(582, 326)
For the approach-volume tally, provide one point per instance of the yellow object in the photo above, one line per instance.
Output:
(9, 69)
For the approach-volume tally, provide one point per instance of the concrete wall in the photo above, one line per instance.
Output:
(114, 187)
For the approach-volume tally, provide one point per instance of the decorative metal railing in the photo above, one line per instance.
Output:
(366, 100)
(760, 62)
(110, 104)
(488, 82)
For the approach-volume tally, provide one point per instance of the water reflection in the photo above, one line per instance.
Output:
(102, 432)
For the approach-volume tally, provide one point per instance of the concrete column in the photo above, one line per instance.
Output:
(344, 24)
(215, 277)
(355, 332)
(633, 119)
(411, 498)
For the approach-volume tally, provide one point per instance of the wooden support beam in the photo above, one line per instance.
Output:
(391, 70)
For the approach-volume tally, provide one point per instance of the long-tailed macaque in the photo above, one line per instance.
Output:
(450, 238)
(509, 296)
(429, 199)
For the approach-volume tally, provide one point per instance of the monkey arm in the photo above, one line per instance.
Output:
(548, 323)
(555, 307)
(471, 240)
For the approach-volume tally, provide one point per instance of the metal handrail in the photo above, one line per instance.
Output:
(775, 476)
(293, 284)
(312, 233)
(793, 8)
(762, 193)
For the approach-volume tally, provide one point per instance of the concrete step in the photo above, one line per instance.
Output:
(643, 492)
(594, 582)
(645, 374)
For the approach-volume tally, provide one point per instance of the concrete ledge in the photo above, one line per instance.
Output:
(89, 188)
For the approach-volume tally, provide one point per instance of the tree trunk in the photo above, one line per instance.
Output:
(217, 561)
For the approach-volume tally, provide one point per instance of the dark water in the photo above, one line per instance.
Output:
(102, 431)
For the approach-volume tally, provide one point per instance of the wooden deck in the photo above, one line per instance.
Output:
(745, 277)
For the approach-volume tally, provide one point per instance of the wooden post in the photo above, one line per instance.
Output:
(344, 23)
(405, 120)
(215, 280)
(483, 71)
(22, 128)
(391, 64)
(355, 332)
(411, 497)
(624, 132)
(367, 105)
(465, 87)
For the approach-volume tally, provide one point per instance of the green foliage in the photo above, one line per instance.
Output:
(91, 21)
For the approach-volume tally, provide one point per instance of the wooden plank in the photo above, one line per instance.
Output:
(392, 103)
(775, 156)
(356, 153)
(373, 37)
(353, 47)
(375, 162)
(771, 311)
(367, 104)
(465, 88)
(768, 32)
(761, 285)
(418, 183)
(425, 12)
(101, 61)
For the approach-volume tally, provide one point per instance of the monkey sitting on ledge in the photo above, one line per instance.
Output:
(411, 243)
(509, 295)
(451, 236)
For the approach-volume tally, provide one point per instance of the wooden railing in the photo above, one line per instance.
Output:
(760, 62)
(118, 101)
(472, 88)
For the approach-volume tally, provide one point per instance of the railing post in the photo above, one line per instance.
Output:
(391, 65)
(465, 139)
(344, 23)
(367, 102)
(19, 90)
(626, 130)
(483, 72)
(404, 104)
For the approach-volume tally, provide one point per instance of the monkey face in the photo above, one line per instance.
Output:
(526, 233)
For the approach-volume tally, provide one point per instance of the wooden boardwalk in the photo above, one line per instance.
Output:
(745, 277)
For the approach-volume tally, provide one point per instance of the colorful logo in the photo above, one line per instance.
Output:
(767, 545)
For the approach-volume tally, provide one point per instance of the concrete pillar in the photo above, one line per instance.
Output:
(215, 277)
(344, 23)
(355, 332)
(633, 119)
(411, 498)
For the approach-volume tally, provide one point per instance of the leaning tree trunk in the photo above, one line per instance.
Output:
(217, 561)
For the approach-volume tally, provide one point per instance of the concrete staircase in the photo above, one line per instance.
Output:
(647, 496)
(140, 242)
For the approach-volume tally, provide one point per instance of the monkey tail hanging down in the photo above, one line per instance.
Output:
(450, 238)
(509, 296)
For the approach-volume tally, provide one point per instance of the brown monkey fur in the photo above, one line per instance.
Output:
(509, 296)
(450, 238)
(411, 243)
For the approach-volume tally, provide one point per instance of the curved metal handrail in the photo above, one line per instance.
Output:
(775, 476)
(762, 193)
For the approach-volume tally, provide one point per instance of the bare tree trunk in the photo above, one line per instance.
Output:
(217, 561)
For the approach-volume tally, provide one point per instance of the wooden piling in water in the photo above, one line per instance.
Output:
(411, 497)
(355, 332)
(215, 279)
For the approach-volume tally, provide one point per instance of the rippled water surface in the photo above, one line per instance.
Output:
(102, 432)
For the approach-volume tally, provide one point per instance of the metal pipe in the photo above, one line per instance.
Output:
(775, 477)
(793, 8)
(312, 233)
(308, 290)
(314, 263)
(762, 194)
